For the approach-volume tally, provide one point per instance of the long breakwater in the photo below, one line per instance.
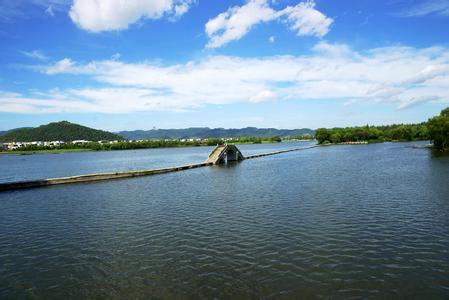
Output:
(9, 186)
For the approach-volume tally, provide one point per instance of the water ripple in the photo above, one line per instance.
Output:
(338, 222)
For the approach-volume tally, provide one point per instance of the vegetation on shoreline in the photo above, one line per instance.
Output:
(301, 137)
(128, 145)
(373, 134)
(439, 130)
(28, 152)
(436, 130)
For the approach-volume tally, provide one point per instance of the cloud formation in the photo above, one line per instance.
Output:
(10, 10)
(49, 11)
(61, 66)
(237, 21)
(35, 54)
(430, 7)
(304, 19)
(402, 76)
(97, 15)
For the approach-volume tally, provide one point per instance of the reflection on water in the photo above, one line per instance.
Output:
(367, 221)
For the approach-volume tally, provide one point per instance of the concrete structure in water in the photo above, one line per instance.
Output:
(220, 154)
(224, 153)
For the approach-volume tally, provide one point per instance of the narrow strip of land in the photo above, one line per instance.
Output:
(279, 152)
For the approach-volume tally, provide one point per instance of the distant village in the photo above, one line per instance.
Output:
(11, 146)
(17, 145)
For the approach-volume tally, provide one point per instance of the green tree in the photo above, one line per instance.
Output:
(439, 130)
(445, 112)
(323, 135)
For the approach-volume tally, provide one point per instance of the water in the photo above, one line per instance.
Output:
(368, 221)
(41, 166)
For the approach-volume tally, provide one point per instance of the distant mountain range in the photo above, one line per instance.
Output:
(59, 131)
(66, 131)
(205, 132)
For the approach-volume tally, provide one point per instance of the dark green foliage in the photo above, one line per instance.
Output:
(439, 130)
(445, 112)
(60, 131)
(305, 136)
(322, 135)
(204, 132)
(2, 133)
(401, 132)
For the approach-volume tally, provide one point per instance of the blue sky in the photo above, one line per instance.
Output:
(139, 64)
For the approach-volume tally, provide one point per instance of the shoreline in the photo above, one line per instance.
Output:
(57, 151)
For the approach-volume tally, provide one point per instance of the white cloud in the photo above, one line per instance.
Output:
(61, 66)
(402, 76)
(306, 20)
(262, 96)
(181, 8)
(428, 73)
(237, 21)
(35, 54)
(416, 101)
(99, 15)
(333, 49)
(10, 10)
(429, 7)
(116, 56)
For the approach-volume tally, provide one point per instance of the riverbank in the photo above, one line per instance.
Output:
(57, 151)
(375, 142)
(95, 147)
(54, 151)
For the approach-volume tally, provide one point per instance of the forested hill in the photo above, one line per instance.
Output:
(2, 133)
(60, 131)
(205, 132)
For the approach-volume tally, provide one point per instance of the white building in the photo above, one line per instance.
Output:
(78, 142)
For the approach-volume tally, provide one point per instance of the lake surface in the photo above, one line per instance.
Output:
(50, 165)
(365, 221)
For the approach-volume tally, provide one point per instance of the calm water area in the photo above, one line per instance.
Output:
(339, 222)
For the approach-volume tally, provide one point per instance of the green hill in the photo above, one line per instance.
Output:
(59, 131)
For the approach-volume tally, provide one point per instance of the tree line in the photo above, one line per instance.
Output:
(146, 144)
(436, 130)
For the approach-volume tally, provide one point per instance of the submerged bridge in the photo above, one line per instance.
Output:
(221, 154)
(224, 153)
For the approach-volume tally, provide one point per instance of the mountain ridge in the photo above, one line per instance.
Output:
(57, 131)
(206, 132)
(66, 131)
